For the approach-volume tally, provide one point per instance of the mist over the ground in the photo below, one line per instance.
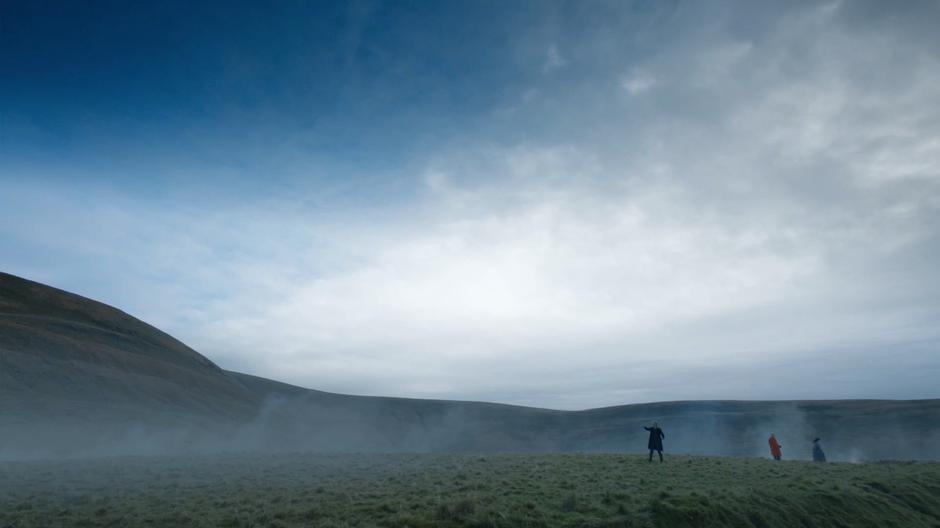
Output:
(860, 431)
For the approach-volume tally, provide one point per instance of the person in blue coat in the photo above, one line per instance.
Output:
(656, 440)
(818, 455)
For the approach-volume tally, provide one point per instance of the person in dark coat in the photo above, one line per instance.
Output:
(818, 455)
(656, 440)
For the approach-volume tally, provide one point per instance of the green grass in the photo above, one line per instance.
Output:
(466, 490)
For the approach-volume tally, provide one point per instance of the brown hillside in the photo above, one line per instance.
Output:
(65, 355)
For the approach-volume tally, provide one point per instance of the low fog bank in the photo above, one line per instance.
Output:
(851, 431)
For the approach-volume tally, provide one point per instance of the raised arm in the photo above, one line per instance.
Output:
(647, 428)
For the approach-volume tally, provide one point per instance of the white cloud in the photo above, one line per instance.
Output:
(637, 82)
(774, 198)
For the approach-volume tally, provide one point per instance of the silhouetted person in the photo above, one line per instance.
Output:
(818, 455)
(656, 440)
(774, 447)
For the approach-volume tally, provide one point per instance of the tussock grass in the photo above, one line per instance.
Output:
(589, 490)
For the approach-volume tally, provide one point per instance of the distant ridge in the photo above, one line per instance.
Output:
(79, 377)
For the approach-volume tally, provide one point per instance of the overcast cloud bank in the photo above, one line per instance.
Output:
(687, 203)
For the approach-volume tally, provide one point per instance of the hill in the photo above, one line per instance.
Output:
(67, 356)
(80, 377)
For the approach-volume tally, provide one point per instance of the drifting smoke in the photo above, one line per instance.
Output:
(850, 431)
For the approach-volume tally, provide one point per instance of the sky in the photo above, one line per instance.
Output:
(557, 204)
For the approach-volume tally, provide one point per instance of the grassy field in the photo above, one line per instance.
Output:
(465, 490)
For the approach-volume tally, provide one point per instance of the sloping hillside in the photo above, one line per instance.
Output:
(65, 356)
(80, 377)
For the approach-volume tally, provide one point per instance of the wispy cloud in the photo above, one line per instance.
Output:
(553, 59)
(637, 82)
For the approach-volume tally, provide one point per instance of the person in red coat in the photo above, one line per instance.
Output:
(774, 447)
